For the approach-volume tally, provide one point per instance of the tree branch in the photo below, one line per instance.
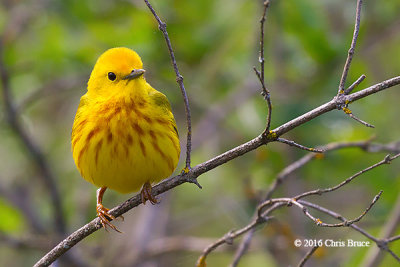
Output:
(179, 79)
(354, 85)
(379, 243)
(287, 171)
(263, 218)
(351, 115)
(334, 104)
(294, 144)
(261, 215)
(317, 221)
(260, 74)
(352, 48)
(394, 238)
(386, 160)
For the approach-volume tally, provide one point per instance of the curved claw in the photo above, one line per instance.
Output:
(105, 217)
(103, 213)
(146, 194)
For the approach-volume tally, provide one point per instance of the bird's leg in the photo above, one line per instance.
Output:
(103, 212)
(147, 195)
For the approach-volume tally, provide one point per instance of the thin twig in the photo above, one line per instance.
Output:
(196, 171)
(317, 221)
(352, 48)
(179, 79)
(386, 160)
(378, 242)
(292, 143)
(263, 217)
(394, 238)
(307, 256)
(364, 145)
(394, 255)
(350, 222)
(351, 115)
(336, 216)
(334, 103)
(283, 175)
(32, 148)
(260, 74)
(354, 85)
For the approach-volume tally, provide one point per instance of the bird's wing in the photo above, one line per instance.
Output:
(161, 101)
(82, 103)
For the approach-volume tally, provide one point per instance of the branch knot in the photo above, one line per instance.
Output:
(229, 237)
(382, 244)
(162, 26)
(179, 79)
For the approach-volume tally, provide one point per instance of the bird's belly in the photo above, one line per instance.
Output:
(124, 158)
(126, 169)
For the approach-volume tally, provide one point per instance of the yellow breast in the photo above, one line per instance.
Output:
(122, 144)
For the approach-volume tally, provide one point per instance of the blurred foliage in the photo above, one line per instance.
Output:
(51, 46)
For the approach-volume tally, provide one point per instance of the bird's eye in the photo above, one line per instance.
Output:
(112, 76)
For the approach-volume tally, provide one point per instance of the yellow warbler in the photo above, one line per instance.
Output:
(124, 135)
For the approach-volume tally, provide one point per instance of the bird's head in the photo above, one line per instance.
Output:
(115, 70)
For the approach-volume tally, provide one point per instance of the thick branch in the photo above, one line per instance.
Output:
(334, 103)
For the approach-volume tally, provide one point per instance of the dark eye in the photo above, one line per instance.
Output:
(112, 76)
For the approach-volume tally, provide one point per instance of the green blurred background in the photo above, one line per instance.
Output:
(50, 48)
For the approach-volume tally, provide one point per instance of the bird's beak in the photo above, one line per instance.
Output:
(134, 74)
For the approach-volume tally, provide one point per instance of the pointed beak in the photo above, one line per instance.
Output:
(134, 74)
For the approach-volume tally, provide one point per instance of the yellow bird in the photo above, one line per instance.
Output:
(124, 135)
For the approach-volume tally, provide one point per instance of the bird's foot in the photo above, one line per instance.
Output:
(146, 194)
(105, 217)
(103, 213)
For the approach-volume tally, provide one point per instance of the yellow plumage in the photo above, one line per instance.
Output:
(124, 133)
